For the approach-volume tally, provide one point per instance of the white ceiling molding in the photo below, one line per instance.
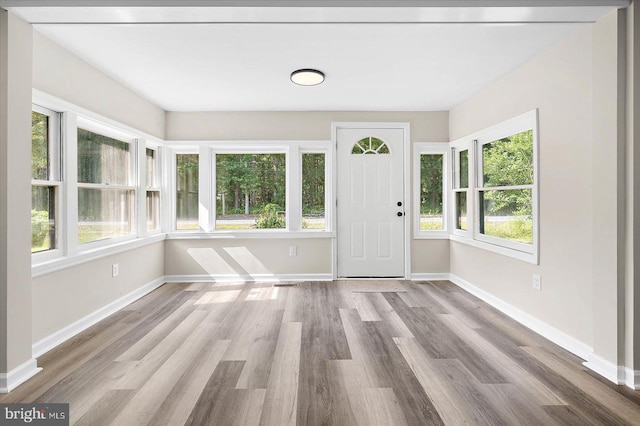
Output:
(316, 3)
(149, 15)
(393, 55)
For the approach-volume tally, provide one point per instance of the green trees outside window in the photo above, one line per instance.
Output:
(43, 195)
(250, 191)
(506, 199)
(431, 217)
(187, 192)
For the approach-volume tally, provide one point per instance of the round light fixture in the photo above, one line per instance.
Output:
(307, 77)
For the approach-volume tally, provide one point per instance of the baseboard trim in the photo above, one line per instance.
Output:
(632, 378)
(558, 337)
(607, 369)
(14, 378)
(60, 336)
(267, 278)
(439, 276)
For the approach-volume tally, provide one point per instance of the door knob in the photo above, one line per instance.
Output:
(400, 214)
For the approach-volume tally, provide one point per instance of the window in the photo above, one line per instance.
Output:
(370, 145)
(153, 190)
(250, 191)
(461, 187)
(430, 164)
(45, 179)
(187, 191)
(105, 191)
(506, 194)
(501, 161)
(313, 191)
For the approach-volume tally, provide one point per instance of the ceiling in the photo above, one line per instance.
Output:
(420, 56)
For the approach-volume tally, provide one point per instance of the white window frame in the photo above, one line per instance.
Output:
(173, 185)
(327, 189)
(293, 151)
(157, 187)
(55, 180)
(431, 148)
(525, 252)
(457, 147)
(93, 126)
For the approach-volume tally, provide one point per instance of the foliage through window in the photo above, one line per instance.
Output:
(506, 197)
(431, 194)
(153, 190)
(461, 188)
(45, 168)
(313, 191)
(105, 191)
(250, 191)
(370, 145)
(187, 192)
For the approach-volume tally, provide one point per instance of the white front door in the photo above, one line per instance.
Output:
(371, 202)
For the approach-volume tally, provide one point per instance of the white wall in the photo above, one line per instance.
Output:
(60, 73)
(558, 82)
(63, 297)
(425, 126)
(15, 199)
(248, 257)
(428, 256)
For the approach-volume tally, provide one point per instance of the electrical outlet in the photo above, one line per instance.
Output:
(115, 269)
(537, 282)
(293, 251)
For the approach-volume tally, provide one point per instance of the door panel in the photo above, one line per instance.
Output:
(370, 184)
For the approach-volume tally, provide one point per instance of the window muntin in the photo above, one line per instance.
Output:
(187, 192)
(431, 192)
(461, 188)
(370, 145)
(314, 191)
(250, 191)
(502, 200)
(45, 179)
(506, 195)
(106, 194)
(152, 203)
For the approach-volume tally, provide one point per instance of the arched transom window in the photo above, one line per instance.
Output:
(370, 145)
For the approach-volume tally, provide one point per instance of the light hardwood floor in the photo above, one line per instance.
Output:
(320, 353)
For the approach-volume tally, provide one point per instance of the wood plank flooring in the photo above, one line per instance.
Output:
(320, 353)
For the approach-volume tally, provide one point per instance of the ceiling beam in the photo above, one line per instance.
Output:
(314, 3)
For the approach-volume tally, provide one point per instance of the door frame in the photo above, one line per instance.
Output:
(406, 179)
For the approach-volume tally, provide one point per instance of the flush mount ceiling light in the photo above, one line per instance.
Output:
(307, 77)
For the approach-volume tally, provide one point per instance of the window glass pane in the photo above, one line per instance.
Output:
(313, 191)
(431, 217)
(151, 168)
(507, 214)
(508, 161)
(464, 168)
(104, 213)
(102, 159)
(187, 191)
(370, 145)
(43, 209)
(39, 146)
(461, 210)
(251, 191)
(153, 210)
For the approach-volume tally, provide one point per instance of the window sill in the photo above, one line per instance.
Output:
(434, 235)
(515, 254)
(65, 262)
(248, 235)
